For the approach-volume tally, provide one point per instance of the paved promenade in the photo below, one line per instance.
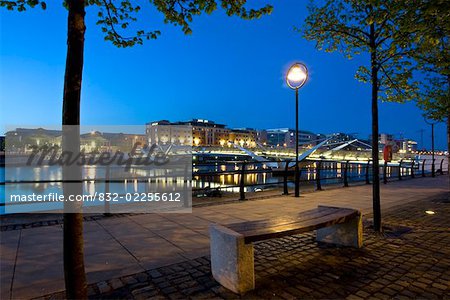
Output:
(31, 258)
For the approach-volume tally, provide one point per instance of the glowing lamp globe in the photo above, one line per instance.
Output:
(296, 76)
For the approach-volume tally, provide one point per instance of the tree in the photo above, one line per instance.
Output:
(353, 27)
(115, 18)
(427, 23)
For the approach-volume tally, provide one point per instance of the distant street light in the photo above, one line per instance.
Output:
(433, 172)
(295, 78)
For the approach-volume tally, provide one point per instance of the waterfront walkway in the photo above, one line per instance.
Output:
(31, 258)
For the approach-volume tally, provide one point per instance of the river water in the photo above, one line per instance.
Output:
(225, 176)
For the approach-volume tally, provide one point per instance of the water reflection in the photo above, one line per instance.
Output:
(217, 175)
(225, 176)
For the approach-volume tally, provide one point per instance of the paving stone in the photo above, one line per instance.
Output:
(142, 277)
(168, 290)
(129, 280)
(104, 287)
(380, 295)
(354, 297)
(137, 285)
(92, 290)
(362, 294)
(419, 284)
(154, 274)
(115, 283)
(176, 296)
(440, 286)
(193, 290)
(145, 292)
(408, 293)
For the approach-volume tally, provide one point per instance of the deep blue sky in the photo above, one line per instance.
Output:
(228, 70)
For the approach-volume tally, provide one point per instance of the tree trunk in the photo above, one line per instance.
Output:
(448, 151)
(448, 134)
(375, 152)
(74, 273)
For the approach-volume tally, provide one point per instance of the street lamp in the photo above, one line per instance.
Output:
(295, 78)
(433, 172)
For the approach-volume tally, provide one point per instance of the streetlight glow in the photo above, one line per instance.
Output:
(297, 76)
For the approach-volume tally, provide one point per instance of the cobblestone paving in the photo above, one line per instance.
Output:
(411, 259)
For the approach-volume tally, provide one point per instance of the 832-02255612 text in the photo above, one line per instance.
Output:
(106, 197)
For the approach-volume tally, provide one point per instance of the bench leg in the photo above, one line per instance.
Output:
(345, 234)
(231, 259)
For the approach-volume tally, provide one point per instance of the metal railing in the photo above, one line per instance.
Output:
(316, 173)
(343, 170)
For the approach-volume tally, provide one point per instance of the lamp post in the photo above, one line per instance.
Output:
(433, 172)
(295, 78)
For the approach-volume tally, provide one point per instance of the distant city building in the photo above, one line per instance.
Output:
(261, 137)
(346, 142)
(94, 142)
(340, 137)
(403, 145)
(318, 139)
(22, 138)
(105, 141)
(245, 137)
(406, 145)
(383, 140)
(285, 137)
(277, 137)
(208, 133)
(165, 132)
(204, 133)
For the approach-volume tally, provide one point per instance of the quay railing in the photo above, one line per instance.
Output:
(313, 173)
(317, 173)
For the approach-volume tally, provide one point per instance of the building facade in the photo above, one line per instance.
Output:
(95, 141)
(245, 137)
(164, 132)
(285, 137)
(202, 132)
(208, 133)
(406, 145)
(403, 145)
(261, 137)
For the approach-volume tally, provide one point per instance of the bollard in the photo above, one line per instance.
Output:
(107, 205)
(385, 172)
(423, 168)
(400, 169)
(318, 183)
(297, 180)
(285, 178)
(185, 185)
(433, 172)
(345, 174)
(242, 183)
(442, 167)
(367, 172)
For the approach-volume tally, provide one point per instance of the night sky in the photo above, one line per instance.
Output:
(229, 70)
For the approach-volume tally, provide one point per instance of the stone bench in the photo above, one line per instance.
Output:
(232, 260)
